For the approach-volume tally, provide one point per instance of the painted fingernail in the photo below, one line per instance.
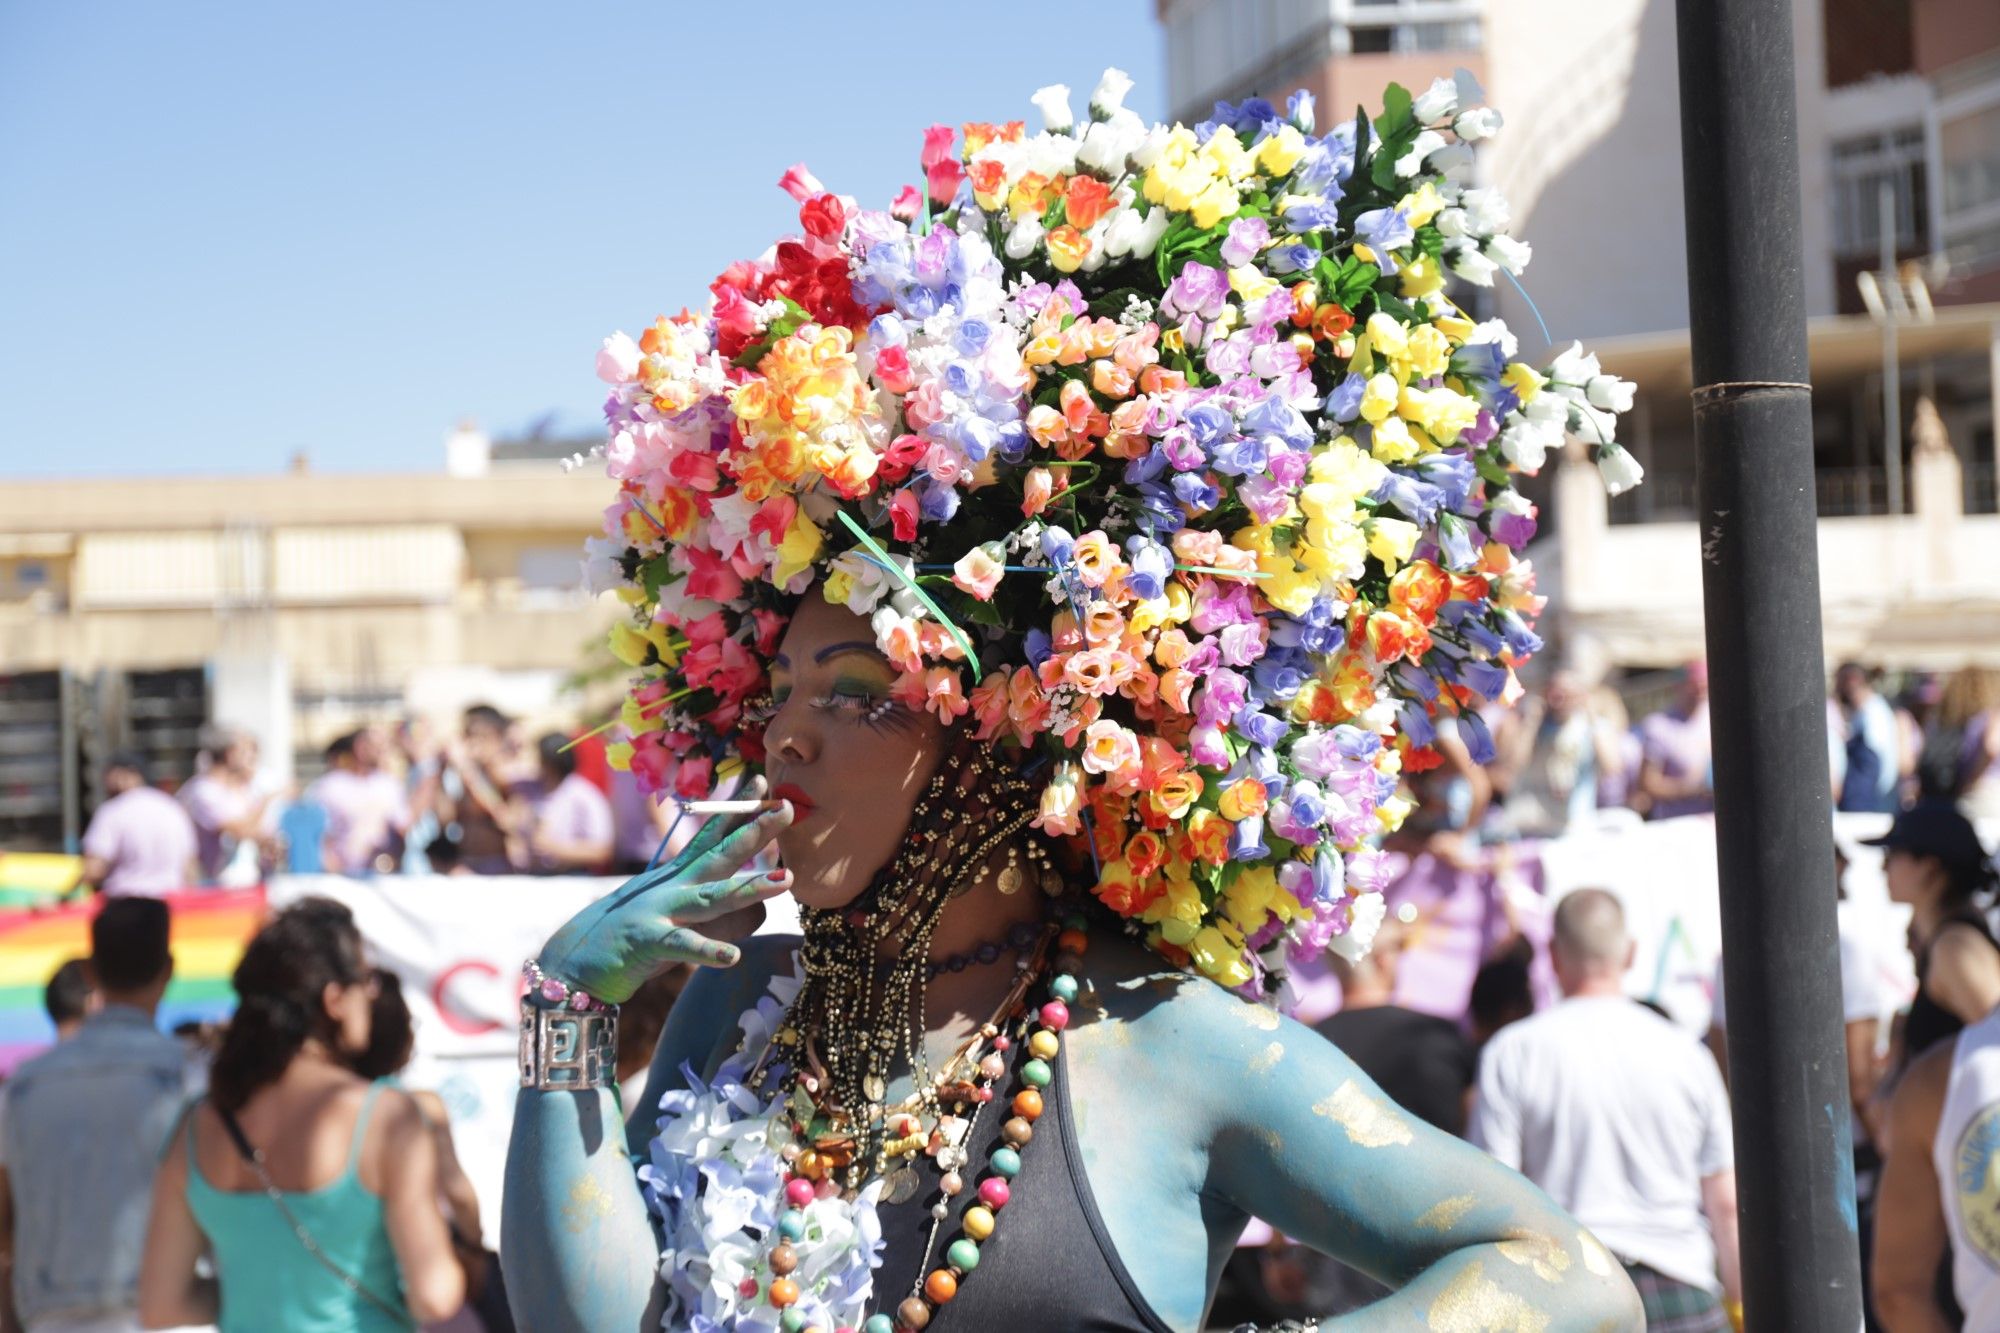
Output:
(778, 876)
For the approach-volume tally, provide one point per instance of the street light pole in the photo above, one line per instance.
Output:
(1767, 682)
(1892, 371)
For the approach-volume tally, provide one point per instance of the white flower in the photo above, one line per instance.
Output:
(1365, 912)
(1590, 425)
(1436, 102)
(1525, 444)
(1621, 471)
(1050, 155)
(1053, 103)
(1469, 91)
(1609, 393)
(1508, 253)
(1574, 367)
(1109, 95)
(1107, 144)
(1024, 238)
(1486, 211)
(1469, 264)
(1424, 145)
(1150, 148)
(601, 571)
(1451, 223)
(1452, 161)
(1480, 122)
(1130, 234)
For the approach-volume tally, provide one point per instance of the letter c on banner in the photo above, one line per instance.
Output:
(458, 1022)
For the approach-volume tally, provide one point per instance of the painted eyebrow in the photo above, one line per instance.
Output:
(835, 650)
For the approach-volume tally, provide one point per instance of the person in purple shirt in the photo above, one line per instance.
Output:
(140, 842)
(572, 825)
(1674, 751)
(226, 806)
(366, 811)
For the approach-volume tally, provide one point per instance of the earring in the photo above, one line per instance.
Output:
(1010, 874)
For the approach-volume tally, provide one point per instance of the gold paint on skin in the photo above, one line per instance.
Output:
(1267, 1059)
(1474, 1303)
(588, 1204)
(1544, 1255)
(1369, 1121)
(1447, 1213)
(1259, 1017)
(1272, 1139)
(1595, 1257)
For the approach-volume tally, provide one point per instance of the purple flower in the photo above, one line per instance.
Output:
(1277, 676)
(939, 501)
(1416, 724)
(1452, 473)
(1484, 679)
(1037, 647)
(1222, 694)
(1246, 237)
(1455, 542)
(1150, 563)
(1478, 740)
(1210, 422)
(1266, 497)
(1344, 403)
(1057, 545)
(1291, 258)
(1288, 466)
(1246, 840)
(1522, 641)
(1367, 870)
(1310, 213)
(1383, 230)
(1239, 456)
(1194, 491)
(1181, 449)
(1206, 748)
(1275, 416)
(972, 336)
(1217, 603)
(1146, 466)
(1417, 500)
(1259, 727)
(1196, 290)
(1511, 529)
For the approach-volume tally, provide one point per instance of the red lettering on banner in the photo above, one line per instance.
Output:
(464, 1025)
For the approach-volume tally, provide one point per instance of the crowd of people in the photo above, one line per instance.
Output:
(487, 801)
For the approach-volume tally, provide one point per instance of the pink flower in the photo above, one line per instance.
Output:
(618, 360)
(1108, 747)
(898, 638)
(903, 516)
(979, 570)
(694, 778)
(800, 183)
(710, 579)
(908, 204)
(1062, 801)
(943, 693)
(1036, 490)
(989, 706)
(942, 171)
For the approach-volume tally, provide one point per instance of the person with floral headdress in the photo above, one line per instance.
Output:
(1070, 562)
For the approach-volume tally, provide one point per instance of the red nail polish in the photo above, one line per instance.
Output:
(779, 876)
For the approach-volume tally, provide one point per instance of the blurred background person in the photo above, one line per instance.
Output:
(480, 787)
(1503, 991)
(569, 819)
(80, 1131)
(366, 814)
(1621, 1117)
(292, 1143)
(1871, 741)
(1423, 1062)
(70, 997)
(423, 791)
(1552, 755)
(140, 841)
(1674, 752)
(640, 822)
(233, 832)
(1970, 714)
(392, 1040)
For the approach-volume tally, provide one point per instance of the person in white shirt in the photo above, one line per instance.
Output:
(1621, 1117)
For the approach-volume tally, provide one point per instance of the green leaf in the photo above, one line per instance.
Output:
(1396, 114)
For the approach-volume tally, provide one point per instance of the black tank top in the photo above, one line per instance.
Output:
(1930, 1022)
(1049, 1263)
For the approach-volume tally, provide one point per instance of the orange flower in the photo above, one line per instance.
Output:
(1086, 200)
(1068, 248)
(1037, 489)
(1207, 837)
(1244, 798)
(989, 178)
(1175, 685)
(1145, 852)
(1418, 590)
(1125, 889)
(1111, 379)
(1096, 559)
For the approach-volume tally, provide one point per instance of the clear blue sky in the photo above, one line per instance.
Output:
(232, 232)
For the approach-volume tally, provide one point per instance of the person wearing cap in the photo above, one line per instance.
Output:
(1935, 864)
(141, 840)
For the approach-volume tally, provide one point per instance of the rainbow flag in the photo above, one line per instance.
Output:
(210, 928)
(31, 878)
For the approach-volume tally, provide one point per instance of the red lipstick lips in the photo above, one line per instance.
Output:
(802, 804)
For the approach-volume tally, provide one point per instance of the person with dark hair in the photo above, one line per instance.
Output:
(367, 813)
(1503, 991)
(231, 814)
(81, 1131)
(1935, 864)
(570, 822)
(140, 841)
(314, 1188)
(70, 997)
(481, 787)
(1872, 776)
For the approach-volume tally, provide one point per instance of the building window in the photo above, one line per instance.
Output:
(1860, 168)
(1969, 162)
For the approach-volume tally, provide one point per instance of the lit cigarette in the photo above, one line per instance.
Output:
(729, 807)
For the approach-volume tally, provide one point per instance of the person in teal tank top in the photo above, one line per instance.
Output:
(330, 1223)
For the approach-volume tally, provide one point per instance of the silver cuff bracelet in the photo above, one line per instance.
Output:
(566, 1051)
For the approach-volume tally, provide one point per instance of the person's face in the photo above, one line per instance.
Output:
(121, 780)
(1563, 695)
(1850, 686)
(1694, 690)
(367, 748)
(241, 757)
(859, 759)
(1912, 878)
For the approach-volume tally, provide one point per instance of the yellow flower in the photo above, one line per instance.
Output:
(1452, 324)
(1289, 588)
(1250, 284)
(628, 645)
(1214, 203)
(1378, 398)
(1391, 540)
(619, 755)
(1177, 912)
(1393, 442)
(1229, 156)
(1421, 276)
(838, 585)
(1429, 352)
(1247, 900)
(1421, 204)
(1349, 473)
(1218, 955)
(1523, 380)
(1281, 152)
(1393, 812)
(1387, 336)
(796, 552)
(1180, 603)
